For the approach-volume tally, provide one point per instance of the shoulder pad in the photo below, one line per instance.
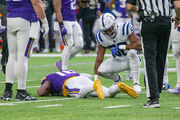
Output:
(99, 37)
(127, 28)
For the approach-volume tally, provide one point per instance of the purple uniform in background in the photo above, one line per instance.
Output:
(21, 8)
(69, 10)
(120, 6)
(57, 79)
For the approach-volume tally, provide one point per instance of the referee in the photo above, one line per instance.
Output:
(155, 30)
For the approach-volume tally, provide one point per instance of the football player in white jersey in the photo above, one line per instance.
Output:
(124, 43)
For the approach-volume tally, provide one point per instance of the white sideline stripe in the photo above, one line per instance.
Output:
(7, 104)
(37, 66)
(78, 55)
(118, 106)
(177, 108)
(45, 106)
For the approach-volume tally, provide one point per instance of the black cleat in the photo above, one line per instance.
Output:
(24, 96)
(152, 104)
(7, 95)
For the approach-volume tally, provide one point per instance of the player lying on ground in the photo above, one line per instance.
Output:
(73, 84)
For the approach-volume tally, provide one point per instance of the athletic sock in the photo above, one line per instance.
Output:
(8, 86)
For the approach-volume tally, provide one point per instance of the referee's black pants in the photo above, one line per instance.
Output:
(155, 39)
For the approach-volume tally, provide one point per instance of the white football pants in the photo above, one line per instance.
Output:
(86, 87)
(74, 40)
(110, 67)
(18, 33)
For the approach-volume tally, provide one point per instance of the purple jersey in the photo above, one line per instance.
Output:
(57, 79)
(21, 8)
(69, 10)
(121, 7)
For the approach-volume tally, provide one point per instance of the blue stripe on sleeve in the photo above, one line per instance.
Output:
(103, 20)
(123, 30)
(97, 38)
(99, 34)
(127, 30)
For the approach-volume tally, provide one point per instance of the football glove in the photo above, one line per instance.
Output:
(63, 31)
(45, 27)
(115, 51)
(2, 29)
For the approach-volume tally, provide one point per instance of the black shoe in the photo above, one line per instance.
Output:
(7, 95)
(152, 104)
(24, 96)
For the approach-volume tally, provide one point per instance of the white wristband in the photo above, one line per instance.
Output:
(96, 77)
(122, 47)
(44, 21)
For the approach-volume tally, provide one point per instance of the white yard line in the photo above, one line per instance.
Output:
(78, 55)
(7, 104)
(48, 100)
(45, 106)
(26, 80)
(177, 108)
(118, 106)
(33, 87)
(126, 94)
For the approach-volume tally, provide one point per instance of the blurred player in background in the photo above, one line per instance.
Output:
(70, 30)
(118, 8)
(175, 39)
(73, 84)
(22, 30)
(3, 34)
(124, 43)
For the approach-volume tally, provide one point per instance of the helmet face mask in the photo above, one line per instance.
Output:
(111, 32)
(107, 25)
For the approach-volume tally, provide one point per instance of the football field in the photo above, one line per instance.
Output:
(121, 107)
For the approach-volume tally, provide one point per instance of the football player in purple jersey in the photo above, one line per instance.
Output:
(118, 8)
(22, 30)
(73, 84)
(70, 30)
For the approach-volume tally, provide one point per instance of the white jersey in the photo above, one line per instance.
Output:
(123, 31)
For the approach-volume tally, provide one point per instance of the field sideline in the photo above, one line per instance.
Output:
(122, 107)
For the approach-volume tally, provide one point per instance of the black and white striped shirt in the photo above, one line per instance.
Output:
(159, 7)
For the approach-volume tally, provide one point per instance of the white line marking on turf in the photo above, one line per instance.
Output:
(177, 108)
(48, 100)
(33, 87)
(45, 106)
(78, 55)
(118, 106)
(26, 80)
(7, 104)
(126, 94)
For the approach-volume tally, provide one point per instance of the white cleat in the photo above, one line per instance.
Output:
(45, 50)
(137, 88)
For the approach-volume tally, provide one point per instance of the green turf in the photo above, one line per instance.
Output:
(87, 108)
